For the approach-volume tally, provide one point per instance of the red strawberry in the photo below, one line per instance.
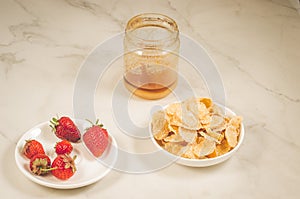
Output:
(63, 147)
(32, 147)
(96, 139)
(40, 164)
(63, 167)
(65, 129)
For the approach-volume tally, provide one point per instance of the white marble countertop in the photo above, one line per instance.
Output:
(255, 44)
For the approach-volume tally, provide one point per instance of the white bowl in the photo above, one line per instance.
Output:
(203, 162)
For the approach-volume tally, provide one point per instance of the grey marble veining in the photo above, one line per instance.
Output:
(254, 44)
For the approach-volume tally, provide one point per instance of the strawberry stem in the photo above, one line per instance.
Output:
(50, 169)
(96, 124)
(90, 121)
(53, 123)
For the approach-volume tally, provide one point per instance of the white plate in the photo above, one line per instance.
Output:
(203, 162)
(89, 169)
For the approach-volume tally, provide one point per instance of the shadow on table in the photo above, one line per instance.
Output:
(178, 171)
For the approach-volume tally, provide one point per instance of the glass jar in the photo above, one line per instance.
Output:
(151, 47)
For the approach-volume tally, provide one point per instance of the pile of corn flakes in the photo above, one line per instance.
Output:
(196, 129)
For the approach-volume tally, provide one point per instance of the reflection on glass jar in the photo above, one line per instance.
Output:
(151, 47)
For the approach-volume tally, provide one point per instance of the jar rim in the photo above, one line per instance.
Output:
(155, 20)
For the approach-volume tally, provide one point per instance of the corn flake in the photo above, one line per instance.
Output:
(196, 129)
(173, 138)
(162, 134)
(188, 152)
(231, 136)
(188, 135)
(174, 148)
(158, 122)
(206, 147)
(207, 102)
(217, 123)
(222, 148)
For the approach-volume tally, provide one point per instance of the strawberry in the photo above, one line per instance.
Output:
(63, 167)
(63, 147)
(40, 164)
(32, 147)
(65, 129)
(96, 139)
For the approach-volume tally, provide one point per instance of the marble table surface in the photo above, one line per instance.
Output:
(254, 44)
